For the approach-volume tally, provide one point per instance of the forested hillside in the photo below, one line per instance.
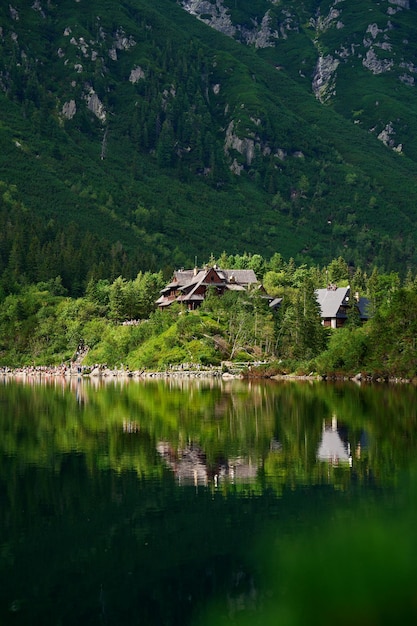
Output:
(116, 324)
(134, 136)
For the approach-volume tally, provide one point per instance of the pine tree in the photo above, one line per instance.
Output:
(118, 299)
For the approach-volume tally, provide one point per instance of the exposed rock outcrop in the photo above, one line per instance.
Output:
(324, 79)
(69, 109)
(216, 15)
(136, 74)
(387, 137)
(403, 4)
(245, 146)
(14, 14)
(94, 103)
(375, 64)
(213, 14)
(261, 36)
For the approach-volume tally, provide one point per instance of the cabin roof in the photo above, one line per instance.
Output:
(331, 299)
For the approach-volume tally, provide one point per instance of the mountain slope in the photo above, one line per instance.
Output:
(157, 138)
(360, 57)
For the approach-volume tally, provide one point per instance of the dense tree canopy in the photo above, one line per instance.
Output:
(116, 322)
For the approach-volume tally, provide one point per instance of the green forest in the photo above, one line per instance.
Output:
(135, 137)
(116, 323)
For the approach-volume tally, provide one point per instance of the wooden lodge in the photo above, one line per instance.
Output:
(189, 287)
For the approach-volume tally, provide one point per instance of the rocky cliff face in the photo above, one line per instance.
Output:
(260, 33)
(333, 48)
(370, 41)
(342, 53)
(79, 56)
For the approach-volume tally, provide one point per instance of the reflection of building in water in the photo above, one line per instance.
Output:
(130, 426)
(334, 447)
(190, 467)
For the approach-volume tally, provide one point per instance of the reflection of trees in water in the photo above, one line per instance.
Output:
(274, 430)
(91, 482)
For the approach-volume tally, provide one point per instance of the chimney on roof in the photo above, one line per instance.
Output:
(195, 270)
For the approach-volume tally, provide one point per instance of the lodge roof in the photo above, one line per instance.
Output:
(189, 276)
(331, 299)
(334, 300)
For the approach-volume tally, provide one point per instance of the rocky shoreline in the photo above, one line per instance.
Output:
(105, 373)
(229, 372)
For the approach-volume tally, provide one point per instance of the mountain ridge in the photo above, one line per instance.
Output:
(165, 139)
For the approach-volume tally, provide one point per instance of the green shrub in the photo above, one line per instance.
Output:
(346, 353)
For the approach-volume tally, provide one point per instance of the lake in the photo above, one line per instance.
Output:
(207, 502)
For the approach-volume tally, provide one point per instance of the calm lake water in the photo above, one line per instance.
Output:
(203, 502)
